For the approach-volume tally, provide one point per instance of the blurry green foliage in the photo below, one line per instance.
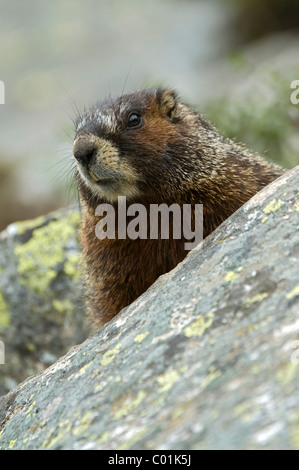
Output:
(264, 119)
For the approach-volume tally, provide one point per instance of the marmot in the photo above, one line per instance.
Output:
(152, 148)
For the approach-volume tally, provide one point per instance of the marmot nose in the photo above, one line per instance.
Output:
(84, 150)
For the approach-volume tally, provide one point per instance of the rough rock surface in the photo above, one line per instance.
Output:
(206, 358)
(41, 299)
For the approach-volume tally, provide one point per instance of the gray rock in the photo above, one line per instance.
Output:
(41, 299)
(206, 358)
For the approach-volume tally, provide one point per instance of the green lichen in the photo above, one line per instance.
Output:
(199, 326)
(60, 435)
(129, 405)
(40, 256)
(255, 369)
(85, 367)
(74, 219)
(177, 413)
(213, 374)
(273, 206)
(103, 438)
(231, 276)
(110, 355)
(72, 267)
(25, 225)
(63, 306)
(28, 412)
(84, 424)
(247, 411)
(4, 313)
(265, 219)
(167, 380)
(288, 373)
(257, 298)
(139, 338)
(12, 444)
(295, 436)
(293, 293)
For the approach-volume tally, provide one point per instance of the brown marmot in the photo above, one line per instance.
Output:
(152, 148)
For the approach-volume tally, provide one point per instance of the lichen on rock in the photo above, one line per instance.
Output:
(202, 360)
(41, 296)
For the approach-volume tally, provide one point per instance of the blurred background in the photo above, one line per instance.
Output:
(233, 60)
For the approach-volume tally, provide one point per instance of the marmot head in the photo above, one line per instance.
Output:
(132, 145)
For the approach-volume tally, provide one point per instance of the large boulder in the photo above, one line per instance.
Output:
(206, 358)
(41, 296)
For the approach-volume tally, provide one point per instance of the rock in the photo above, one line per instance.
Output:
(206, 358)
(41, 299)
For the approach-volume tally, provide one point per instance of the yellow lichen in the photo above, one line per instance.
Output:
(28, 412)
(256, 298)
(25, 225)
(84, 424)
(60, 435)
(84, 368)
(288, 373)
(167, 380)
(103, 438)
(246, 411)
(42, 253)
(293, 293)
(139, 338)
(109, 355)
(231, 276)
(72, 266)
(12, 444)
(129, 405)
(4, 313)
(273, 206)
(63, 306)
(199, 326)
(213, 373)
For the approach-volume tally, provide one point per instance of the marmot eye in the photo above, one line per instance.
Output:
(134, 120)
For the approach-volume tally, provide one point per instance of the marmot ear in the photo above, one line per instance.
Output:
(167, 100)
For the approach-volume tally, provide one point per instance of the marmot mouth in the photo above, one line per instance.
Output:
(94, 177)
(101, 179)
